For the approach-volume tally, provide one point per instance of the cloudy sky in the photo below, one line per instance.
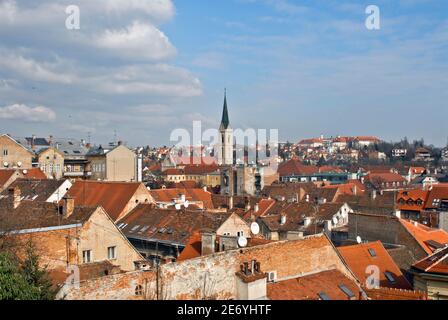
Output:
(145, 67)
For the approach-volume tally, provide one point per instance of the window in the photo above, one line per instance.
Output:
(87, 256)
(112, 253)
(139, 290)
(324, 296)
(347, 291)
(5, 152)
(372, 253)
(389, 277)
(240, 234)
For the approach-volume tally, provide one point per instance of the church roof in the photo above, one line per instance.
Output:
(225, 123)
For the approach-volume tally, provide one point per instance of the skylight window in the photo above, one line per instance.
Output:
(347, 291)
(390, 277)
(436, 203)
(372, 252)
(324, 296)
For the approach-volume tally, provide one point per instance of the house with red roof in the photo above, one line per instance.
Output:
(431, 275)
(117, 198)
(372, 258)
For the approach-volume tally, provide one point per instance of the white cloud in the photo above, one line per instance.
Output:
(31, 69)
(138, 41)
(158, 9)
(8, 11)
(28, 114)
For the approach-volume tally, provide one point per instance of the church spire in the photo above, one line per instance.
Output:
(225, 123)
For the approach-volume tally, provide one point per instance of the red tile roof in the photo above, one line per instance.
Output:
(423, 234)
(437, 192)
(359, 258)
(196, 195)
(385, 177)
(309, 287)
(395, 294)
(435, 263)
(5, 175)
(112, 196)
(412, 200)
(295, 167)
(34, 173)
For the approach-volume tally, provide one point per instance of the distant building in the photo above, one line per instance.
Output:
(115, 164)
(399, 153)
(14, 155)
(423, 154)
(51, 161)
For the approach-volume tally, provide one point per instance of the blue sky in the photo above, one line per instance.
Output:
(146, 67)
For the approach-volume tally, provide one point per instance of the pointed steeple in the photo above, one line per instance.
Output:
(225, 123)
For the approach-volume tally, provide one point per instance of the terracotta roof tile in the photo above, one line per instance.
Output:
(423, 234)
(312, 286)
(435, 263)
(360, 257)
(112, 196)
(196, 195)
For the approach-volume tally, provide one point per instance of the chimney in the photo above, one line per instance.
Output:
(307, 198)
(50, 140)
(283, 219)
(15, 196)
(230, 202)
(355, 190)
(208, 240)
(120, 143)
(251, 282)
(68, 206)
(205, 189)
(256, 207)
(307, 222)
(373, 194)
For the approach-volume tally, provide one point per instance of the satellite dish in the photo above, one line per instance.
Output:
(5, 164)
(358, 239)
(177, 206)
(242, 242)
(255, 228)
(186, 204)
(19, 164)
(25, 171)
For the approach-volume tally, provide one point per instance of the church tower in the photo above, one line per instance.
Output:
(226, 135)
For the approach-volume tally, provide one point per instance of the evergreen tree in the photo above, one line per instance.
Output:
(36, 276)
(13, 284)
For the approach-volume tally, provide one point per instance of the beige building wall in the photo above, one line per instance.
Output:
(436, 290)
(13, 153)
(51, 162)
(233, 226)
(121, 165)
(100, 233)
(58, 248)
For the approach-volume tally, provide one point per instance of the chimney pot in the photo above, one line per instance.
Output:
(68, 206)
(15, 196)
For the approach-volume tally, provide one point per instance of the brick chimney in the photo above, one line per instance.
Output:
(230, 203)
(15, 196)
(68, 206)
(251, 282)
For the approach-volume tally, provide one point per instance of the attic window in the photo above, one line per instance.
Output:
(347, 291)
(139, 290)
(372, 253)
(324, 296)
(135, 228)
(436, 203)
(390, 277)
